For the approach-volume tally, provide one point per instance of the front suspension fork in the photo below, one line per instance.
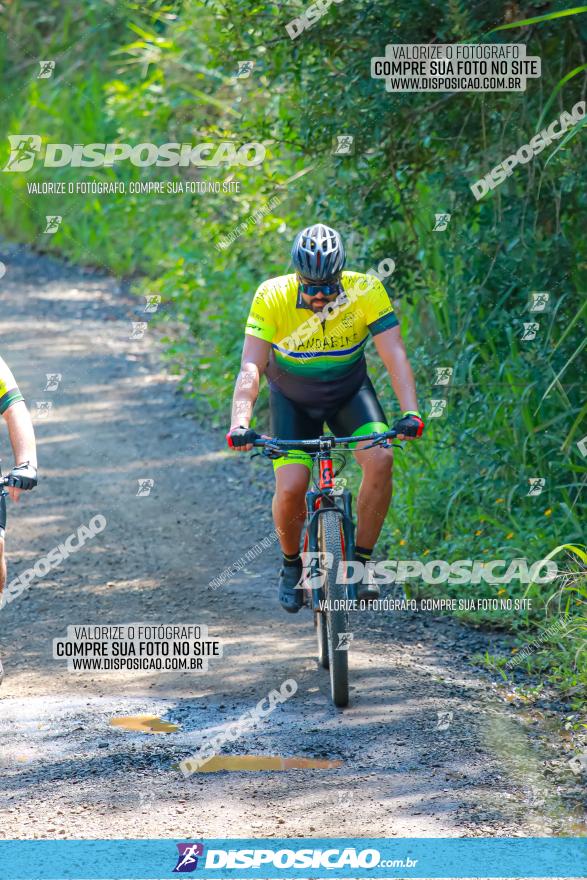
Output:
(348, 531)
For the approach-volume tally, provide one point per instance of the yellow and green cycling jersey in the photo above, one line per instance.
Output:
(9, 392)
(319, 358)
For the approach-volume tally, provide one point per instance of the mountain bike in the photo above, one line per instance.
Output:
(328, 541)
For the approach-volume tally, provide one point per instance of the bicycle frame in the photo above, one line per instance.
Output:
(319, 500)
(323, 496)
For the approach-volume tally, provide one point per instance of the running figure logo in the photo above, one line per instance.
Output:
(53, 222)
(343, 145)
(437, 408)
(46, 71)
(53, 380)
(187, 860)
(316, 567)
(244, 70)
(344, 641)
(531, 328)
(43, 409)
(138, 329)
(540, 301)
(444, 720)
(443, 375)
(23, 151)
(441, 222)
(537, 484)
(153, 302)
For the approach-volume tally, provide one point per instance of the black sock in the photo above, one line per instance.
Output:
(363, 554)
(294, 561)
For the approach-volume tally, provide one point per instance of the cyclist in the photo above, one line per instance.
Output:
(307, 333)
(22, 439)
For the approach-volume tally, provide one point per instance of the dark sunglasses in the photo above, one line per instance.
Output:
(310, 288)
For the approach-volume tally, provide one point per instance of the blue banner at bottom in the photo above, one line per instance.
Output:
(299, 857)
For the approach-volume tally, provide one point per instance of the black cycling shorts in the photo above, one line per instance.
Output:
(360, 414)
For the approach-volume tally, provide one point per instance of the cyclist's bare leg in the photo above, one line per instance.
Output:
(2, 583)
(2, 565)
(289, 505)
(374, 494)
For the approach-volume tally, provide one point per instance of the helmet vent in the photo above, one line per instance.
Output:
(318, 252)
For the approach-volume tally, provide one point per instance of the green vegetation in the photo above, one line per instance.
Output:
(156, 72)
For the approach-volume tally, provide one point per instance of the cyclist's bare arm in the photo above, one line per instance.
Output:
(18, 422)
(246, 390)
(391, 350)
(21, 432)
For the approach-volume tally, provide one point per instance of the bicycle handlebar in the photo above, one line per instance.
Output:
(328, 441)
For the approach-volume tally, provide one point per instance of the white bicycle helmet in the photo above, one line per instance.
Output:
(318, 253)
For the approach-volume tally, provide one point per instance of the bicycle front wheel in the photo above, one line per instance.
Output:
(322, 636)
(335, 594)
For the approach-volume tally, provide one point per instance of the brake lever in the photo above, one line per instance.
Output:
(383, 443)
(273, 451)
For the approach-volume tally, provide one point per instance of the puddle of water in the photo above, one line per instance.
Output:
(144, 724)
(265, 762)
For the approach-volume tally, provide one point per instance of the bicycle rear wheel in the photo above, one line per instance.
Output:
(330, 541)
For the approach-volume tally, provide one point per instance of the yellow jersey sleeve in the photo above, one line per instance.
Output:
(261, 322)
(377, 307)
(9, 392)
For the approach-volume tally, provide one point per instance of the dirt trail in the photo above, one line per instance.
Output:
(117, 418)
